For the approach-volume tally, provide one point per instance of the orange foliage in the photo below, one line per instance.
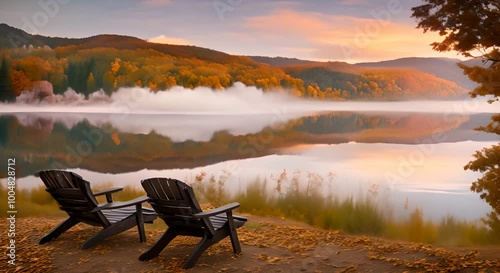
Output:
(20, 81)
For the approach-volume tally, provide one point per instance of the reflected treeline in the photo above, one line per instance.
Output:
(41, 143)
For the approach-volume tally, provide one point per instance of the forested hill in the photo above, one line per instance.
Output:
(12, 37)
(109, 62)
(445, 68)
(402, 78)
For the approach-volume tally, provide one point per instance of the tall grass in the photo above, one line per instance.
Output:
(30, 202)
(292, 197)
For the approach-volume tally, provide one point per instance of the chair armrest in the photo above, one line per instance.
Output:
(113, 190)
(117, 205)
(219, 210)
(108, 193)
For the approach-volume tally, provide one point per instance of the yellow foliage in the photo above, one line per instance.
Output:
(115, 66)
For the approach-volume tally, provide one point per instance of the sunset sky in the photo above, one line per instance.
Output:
(336, 30)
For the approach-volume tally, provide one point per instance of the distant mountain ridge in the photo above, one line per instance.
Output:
(280, 61)
(445, 68)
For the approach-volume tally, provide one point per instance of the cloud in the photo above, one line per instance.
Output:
(354, 3)
(156, 3)
(162, 39)
(339, 37)
(286, 23)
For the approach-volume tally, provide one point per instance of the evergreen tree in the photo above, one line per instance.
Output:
(6, 90)
(78, 76)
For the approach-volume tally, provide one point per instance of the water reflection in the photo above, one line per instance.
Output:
(98, 143)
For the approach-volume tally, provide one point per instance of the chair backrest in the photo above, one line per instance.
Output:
(175, 203)
(74, 196)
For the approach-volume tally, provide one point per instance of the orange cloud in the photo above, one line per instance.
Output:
(287, 23)
(342, 38)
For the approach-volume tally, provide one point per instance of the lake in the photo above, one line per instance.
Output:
(404, 155)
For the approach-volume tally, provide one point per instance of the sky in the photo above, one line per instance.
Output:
(322, 30)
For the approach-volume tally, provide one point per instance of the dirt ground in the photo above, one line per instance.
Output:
(269, 245)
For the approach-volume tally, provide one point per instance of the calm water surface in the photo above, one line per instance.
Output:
(413, 158)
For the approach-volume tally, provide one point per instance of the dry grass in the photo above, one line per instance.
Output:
(292, 198)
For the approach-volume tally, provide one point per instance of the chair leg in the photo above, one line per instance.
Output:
(235, 242)
(200, 248)
(140, 222)
(62, 227)
(232, 234)
(155, 250)
(110, 231)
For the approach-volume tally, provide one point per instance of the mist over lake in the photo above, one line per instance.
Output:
(237, 99)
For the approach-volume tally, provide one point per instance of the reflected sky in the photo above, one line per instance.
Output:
(100, 143)
(437, 183)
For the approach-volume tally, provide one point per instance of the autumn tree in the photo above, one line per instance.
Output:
(472, 28)
(91, 86)
(19, 81)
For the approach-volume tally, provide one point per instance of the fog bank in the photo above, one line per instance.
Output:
(237, 99)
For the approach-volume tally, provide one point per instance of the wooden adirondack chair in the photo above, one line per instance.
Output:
(176, 204)
(76, 198)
